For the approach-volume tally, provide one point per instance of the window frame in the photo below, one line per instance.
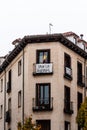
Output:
(1, 85)
(9, 104)
(67, 66)
(68, 125)
(39, 91)
(79, 99)
(42, 51)
(67, 56)
(19, 99)
(80, 76)
(19, 67)
(1, 111)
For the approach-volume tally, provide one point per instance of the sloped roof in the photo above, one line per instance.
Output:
(67, 34)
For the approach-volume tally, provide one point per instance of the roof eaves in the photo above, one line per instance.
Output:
(39, 39)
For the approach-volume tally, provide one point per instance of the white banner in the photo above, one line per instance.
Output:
(44, 68)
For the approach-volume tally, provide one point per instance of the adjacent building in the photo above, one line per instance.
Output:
(44, 75)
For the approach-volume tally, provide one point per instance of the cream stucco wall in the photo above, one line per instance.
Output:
(57, 81)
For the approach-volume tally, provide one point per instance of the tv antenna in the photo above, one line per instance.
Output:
(50, 25)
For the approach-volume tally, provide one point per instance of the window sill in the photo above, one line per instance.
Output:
(39, 74)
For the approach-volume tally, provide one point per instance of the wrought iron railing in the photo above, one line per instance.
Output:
(42, 104)
(68, 106)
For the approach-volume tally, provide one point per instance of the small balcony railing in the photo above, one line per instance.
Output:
(81, 80)
(42, 68)
(68, 107)
(42, 104)
(68, 73)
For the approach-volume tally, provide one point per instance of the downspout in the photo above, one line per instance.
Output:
(5, 100)
(23, 91)
(84, 69)
(85, 78)
(84, 75)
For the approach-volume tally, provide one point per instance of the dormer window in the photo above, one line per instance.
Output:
(75, 40)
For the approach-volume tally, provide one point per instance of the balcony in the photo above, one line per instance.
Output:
(8, 116)
(68, 73)
(8, 87)
(68, 107)
(81, 80)
(41, 69)
(42, 105)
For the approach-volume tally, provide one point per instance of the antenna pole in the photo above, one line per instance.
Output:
(50, 25)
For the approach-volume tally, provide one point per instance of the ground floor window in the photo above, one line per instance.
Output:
(45, 124)
(67, 125)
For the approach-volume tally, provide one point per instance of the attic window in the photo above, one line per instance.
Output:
(75, 40)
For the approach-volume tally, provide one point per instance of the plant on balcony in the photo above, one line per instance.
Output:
(81, 118)
(28, 125)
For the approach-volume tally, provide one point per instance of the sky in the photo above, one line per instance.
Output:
(19, 18)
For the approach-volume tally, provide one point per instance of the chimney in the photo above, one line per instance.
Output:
(81, 36)
(16, 42)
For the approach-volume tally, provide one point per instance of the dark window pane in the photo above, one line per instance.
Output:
(43, 56)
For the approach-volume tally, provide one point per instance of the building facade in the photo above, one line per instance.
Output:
(44, 75)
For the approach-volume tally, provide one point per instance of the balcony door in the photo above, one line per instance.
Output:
(43, 56)
(67, 98)
(79, 72)
(43, 94)
(79, 99)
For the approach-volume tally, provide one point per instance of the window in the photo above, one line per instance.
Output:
(9, 104)
(67, 61)
(9, 81)
(1, 87)
(19, 99)
(43, 56)
(80, 77)
(67, 93)
(19, 68)
(43, 94)
(75, 40)
(67, 66)
(86, 72)
(45, 124)
(67, 125)
(68, 105)
(67, 98)
(8, 112)
(79, 100)
(86, 77)
(1, 111)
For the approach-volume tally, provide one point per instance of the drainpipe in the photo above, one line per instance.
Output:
(4, 100)
(84, 75)
(81, 35)
(23, 91)
(85, 78)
